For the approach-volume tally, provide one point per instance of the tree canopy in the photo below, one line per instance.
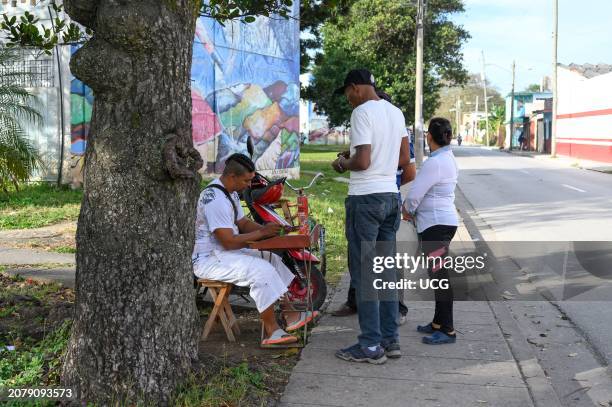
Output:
(467, 93)
(28, 32)
(534, 87)
(380, 35)
(313, 15)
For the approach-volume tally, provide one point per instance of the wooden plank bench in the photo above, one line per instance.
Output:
(222, 309)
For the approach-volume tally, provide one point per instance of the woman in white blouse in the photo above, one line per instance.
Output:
(431, 202)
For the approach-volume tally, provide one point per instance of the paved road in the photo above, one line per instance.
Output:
(526, 199)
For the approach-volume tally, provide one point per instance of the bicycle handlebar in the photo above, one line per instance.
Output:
(316, 177)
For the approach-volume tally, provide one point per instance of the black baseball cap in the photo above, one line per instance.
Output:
(357, 77)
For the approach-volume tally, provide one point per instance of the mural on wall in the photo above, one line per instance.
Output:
(81, 103)
(245, 82)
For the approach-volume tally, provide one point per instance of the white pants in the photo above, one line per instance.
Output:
(264, 272)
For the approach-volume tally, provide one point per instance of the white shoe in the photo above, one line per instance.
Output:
(402, 319)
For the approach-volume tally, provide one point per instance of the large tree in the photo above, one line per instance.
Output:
(134, 335)
(380, 35)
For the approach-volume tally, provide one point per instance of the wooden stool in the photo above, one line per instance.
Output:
(222, 310)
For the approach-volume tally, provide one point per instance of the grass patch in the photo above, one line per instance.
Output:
(38, 205)
(227, 386)
(32, 338)
(64, 249)
(326, 200)
(34, 363)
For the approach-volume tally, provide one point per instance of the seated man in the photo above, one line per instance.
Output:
(221, 251)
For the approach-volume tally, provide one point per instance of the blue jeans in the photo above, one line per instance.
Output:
(372, 219)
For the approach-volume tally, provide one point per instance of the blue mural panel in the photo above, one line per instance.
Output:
(245, 82)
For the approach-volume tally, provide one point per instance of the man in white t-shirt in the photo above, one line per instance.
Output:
(221, 250)
(379, 145)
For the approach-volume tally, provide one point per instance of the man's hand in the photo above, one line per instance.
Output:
(406, 216)
(346, 154)
(270, 229)
(337, 167)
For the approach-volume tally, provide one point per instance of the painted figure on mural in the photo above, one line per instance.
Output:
(246, 83)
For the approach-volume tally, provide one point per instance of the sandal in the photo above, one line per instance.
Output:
(278, 337)
(305, 317)
(426, 329)
(439, 338)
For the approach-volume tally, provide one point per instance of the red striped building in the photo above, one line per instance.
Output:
(584, 116)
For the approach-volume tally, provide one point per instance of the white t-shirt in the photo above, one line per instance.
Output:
(382, 125)
(214, 212)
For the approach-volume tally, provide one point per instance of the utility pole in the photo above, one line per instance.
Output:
(512, 105)
(475, 128)
(418, 105)
(486, 104)
(553, 140)
(457, 109)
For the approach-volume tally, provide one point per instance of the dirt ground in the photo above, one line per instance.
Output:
(29, 310)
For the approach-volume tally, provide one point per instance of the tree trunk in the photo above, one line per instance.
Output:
(134, 334)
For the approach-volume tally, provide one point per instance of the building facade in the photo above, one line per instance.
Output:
(532, 122)
(584, 112)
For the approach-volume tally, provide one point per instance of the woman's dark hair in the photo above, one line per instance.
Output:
(441, 131)
(383, 95)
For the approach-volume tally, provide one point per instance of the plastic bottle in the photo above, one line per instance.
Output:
(302, 211)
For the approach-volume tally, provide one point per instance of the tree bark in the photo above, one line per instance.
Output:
(134, 335)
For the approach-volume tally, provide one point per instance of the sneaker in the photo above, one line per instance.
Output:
(439, 338)
(344, 311)
(392, 350)
(402, 319)
(356, 353)
(426, 329)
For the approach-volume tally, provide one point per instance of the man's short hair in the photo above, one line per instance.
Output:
(238, 164)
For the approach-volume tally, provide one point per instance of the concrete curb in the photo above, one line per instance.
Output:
(10, 256)
(540, 388)
(566, 161)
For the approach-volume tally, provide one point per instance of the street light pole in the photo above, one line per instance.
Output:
(553, 140)
(418, 105)
(486, 105)
(457, 113)
(512, 105)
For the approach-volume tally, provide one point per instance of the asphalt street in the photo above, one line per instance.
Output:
(529, 200)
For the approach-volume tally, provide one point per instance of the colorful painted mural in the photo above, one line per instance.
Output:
(245, 82)
(81, 104)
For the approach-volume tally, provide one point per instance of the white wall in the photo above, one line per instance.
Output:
(578, 94)
(46, 137)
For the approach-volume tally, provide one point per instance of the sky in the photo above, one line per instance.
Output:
(522, 30)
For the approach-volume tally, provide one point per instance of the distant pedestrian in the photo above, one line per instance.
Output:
(431, 203)
(378, 146)
(521, 140)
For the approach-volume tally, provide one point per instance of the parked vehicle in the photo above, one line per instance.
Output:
(263, 199)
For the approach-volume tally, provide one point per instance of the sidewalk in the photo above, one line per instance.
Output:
(38, 264)
(598, 166)
(479, 370)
